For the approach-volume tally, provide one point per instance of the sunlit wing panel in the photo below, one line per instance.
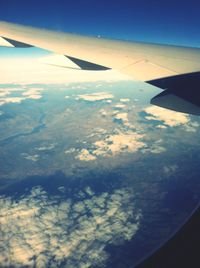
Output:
(146, 62)
(141, 61)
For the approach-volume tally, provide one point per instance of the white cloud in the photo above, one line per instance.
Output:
(121, 142)
(122, 116)
(33, 158)
(112, 145)
(103, 112)
(108, 101)
(99, 85)
(120, 106)
(97, 132)
(11, 100)
(194, 124)
(190, 128)
(46, 147)
(40, 231)
(157, 149)
(70, 151)
(4, 93)
(85, 155)
(61, 189)
(89, 191)
(169, 118)
(34, 97)
(12, 89)
(32, 91)
(161, 126)
(96, 96)
(125, 100)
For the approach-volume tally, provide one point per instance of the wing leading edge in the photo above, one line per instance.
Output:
(172, 68)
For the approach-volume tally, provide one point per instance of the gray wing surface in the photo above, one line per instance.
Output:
(172, 68)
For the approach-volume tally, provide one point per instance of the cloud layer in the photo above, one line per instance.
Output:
(98, 96)
(23, 92)
(118, 143)
(112, 145)
(169, 118)
(41, 231)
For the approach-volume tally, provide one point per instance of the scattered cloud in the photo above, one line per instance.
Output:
(97, 132)
(169, 118)
(70, 151)
(123, 117)
(85, 155)
(46, 147)
(99, 85)
(125, 100)
(96, 96)
(161, 126)
(34, 97)
(39, 231)
(4, 93)
(11, 100)
(124, 139)
(194, 124)
(11, 89)
(33, 93)
(7, 91)
(89, 191)
(121, 142)
(191, 127)
(61, 189)
(115, 112)
(155, 147)
(103, 112)
(33, 158)
(108, 101)
(120, 106)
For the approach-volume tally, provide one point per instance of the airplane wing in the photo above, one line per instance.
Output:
(172, 68)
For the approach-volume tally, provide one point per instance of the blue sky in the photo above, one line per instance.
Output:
(172, 22)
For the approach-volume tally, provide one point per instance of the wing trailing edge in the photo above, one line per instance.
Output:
(14, 43)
